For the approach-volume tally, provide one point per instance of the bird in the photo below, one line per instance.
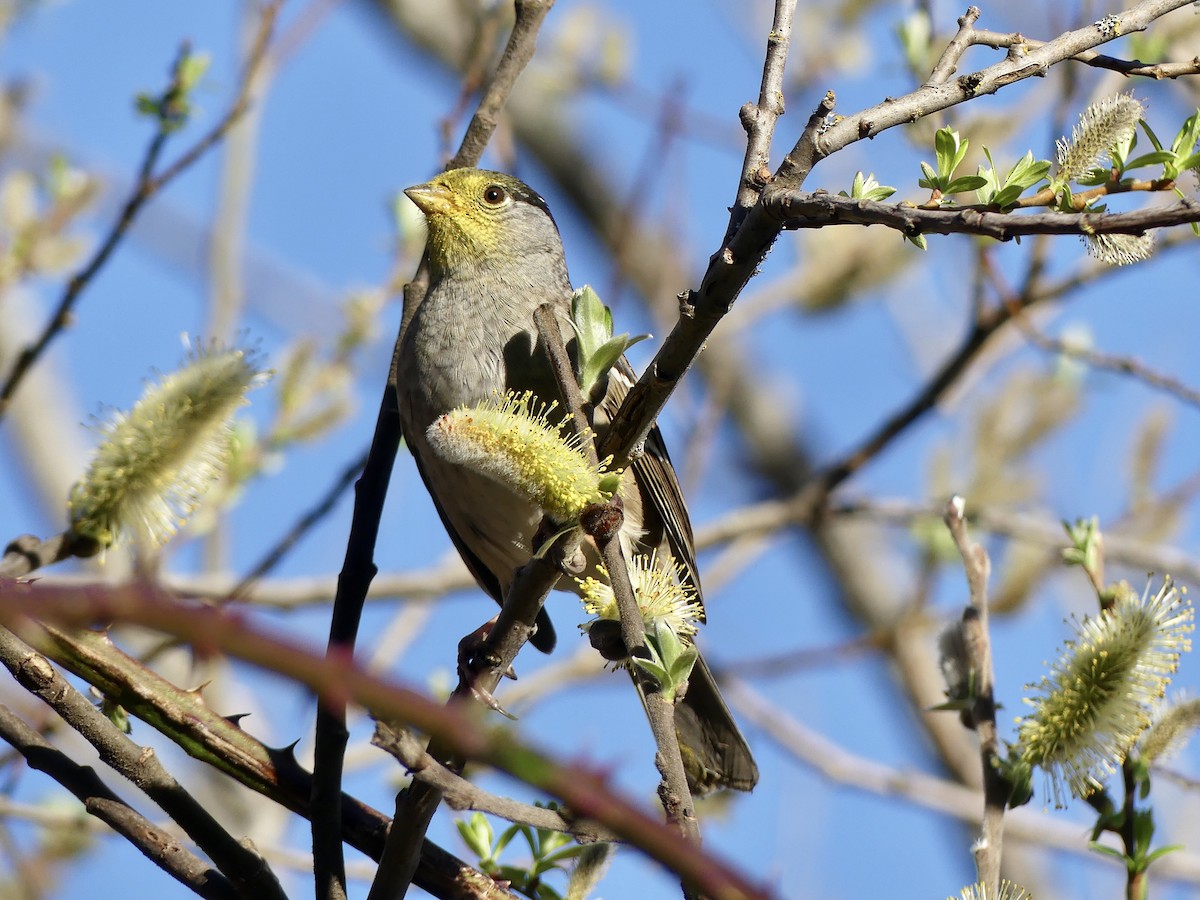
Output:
(495, 255)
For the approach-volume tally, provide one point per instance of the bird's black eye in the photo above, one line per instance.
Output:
(494, 195)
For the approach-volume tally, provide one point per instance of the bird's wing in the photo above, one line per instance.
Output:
(655, 475)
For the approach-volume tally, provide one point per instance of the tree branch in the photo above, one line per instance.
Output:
(246, 870)
(673, 791)
(977, 643)
(461, 794)
(155, 844)
(819, 209)
(213, 630)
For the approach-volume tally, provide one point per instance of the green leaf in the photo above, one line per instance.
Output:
(931, 177)
(1105, 850)
(1143, 832)
(1008, 196)
(476, 832)
(653, 669)
(146, 105)
(191, 69)
(564, 854)
(867, 188)
(1150, 134)
(599, 351)
(950, 150)
(1162, 851)
(681, 668)
(596, 365)
(1154, 158)
(1189, 134)
(965, 183)
(592, 320)
(506, 837)
(1027, 171)
(917, 240)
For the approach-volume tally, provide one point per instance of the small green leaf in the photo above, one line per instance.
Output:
(965, 183)
(1189, 134)
(1105, 850)
(1150, 134)
(1162, 851)
(191, 69)
(1154, 158)
(917, 240)
(931, 177)
(1190, 162)
(476, 832)
(506, 836)
(653, 669)
(950, 151)
(146, 105)
(1143, 832)
(867, 188)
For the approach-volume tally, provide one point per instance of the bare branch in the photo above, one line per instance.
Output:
(185, 718)
(759, 119)
(819, 209)
(213, 630)
(154, 843)
(462, 794)
(978, 646)
(244, 867)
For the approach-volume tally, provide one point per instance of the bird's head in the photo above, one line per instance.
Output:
(482, 219)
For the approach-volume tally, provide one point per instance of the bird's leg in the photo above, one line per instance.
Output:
(470, 664)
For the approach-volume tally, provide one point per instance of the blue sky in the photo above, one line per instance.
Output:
(352, 117)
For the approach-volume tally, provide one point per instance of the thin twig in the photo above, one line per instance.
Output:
(673, 792)
(1111, 362)
(759, 118)
(147, 186)
(323, 507)
(461, 794)
(154, 843)
(977, 643)
(517, 53)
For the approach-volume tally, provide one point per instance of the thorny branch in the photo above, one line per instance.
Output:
(214, 630)
(245, 869)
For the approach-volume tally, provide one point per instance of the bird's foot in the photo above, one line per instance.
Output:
(471, 664)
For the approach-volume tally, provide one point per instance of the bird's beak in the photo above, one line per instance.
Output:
(431, 198)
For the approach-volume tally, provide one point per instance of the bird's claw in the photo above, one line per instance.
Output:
(469, 666)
